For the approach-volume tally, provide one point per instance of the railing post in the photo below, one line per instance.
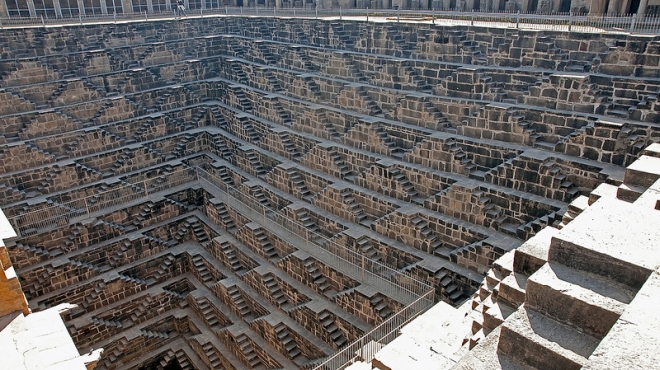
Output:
(518, 19)
(256, 9)
(316, 9)
(363, 268)
(632, 23)
(367, 14)
(114, 17)
(294, 9)
(570, 21)
(472, 18)
(241, 10)
(398, 14)
(307, 239)
(42, 21)
(86, 207)
(146, 192)
(432, 15)
(226, 11)
(146, 17)
(294, 12)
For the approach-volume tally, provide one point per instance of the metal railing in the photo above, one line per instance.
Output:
(418, 296)
(390, 281)
(628, 23)
(61, 208)
(366, 347)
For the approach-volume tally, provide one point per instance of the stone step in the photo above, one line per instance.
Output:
(586, 301)
(543, 343)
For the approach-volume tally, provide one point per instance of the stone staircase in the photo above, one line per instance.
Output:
(354, 207)
(38, 251)
(419, 81)
(273, 82)
(236, 47)
(237, 72)
(365, 248)
(107, 323)
(289, 146)
(449, 289)
(298, 183)
(304, 219)
(212, 356)
(246, 348)
(332, 132)
(344, 40)
(307, 62)
(202, 271)
(225, 217)
(275, 292)
(239, 303)
(260, 197)
(336, 336)
(317, 279)
(88, 266)
(255, 163)
(264, 244)
(243, 101)
(199, 233)
(380, 307)
(374, 109)
(232, 258)
(429, 240)
(221, 147)
(404, 184)
(179, 357)
(287, 342)
(386, 140)
(344, 171)
(402, 48)
(471, 49)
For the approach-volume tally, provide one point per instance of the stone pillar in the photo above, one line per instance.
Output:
(31, 8)
(150, 5)
(127, 5)
(613, 8)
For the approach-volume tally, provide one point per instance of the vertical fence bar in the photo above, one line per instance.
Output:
(632, 23)
(570, 21)
(518, 19)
